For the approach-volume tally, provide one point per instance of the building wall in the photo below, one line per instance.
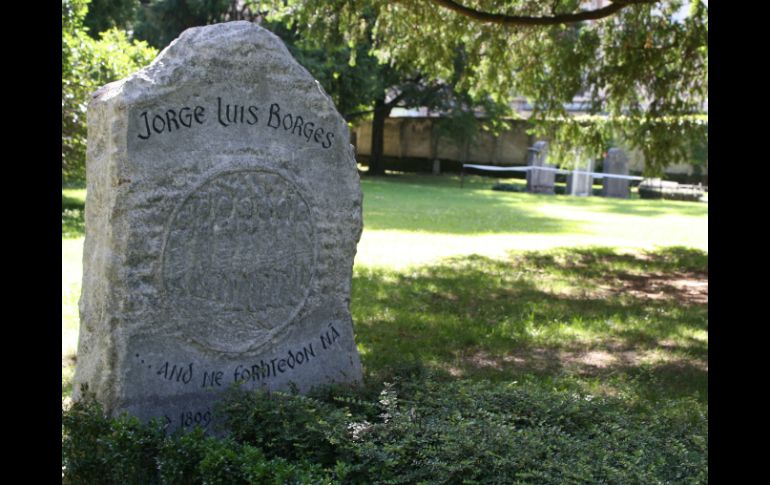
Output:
(414, 137)
(636, 164)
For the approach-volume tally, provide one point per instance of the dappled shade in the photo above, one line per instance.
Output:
(562, 312)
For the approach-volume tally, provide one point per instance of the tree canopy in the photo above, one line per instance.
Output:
(640, 65)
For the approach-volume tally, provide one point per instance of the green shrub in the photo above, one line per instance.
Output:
(100, 450)
(416, 430)
(285, 425)
(88, 64)
(96, 449)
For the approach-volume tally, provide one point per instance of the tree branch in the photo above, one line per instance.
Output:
(566, 18)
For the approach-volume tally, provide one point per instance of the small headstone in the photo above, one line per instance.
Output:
(539, 181)
(616, 163)
(579, 181)
(223, 212)
(436, 167)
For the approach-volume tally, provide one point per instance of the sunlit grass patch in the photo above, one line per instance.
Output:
(419, 219)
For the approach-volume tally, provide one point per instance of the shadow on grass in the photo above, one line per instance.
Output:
(607, 262)
(536, 314)
(641, 207)
(72, 217)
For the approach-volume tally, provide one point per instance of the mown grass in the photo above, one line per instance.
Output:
(548, 314)
(420, 219)
(501, 286)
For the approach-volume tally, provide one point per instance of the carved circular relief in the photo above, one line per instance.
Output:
(238, 259)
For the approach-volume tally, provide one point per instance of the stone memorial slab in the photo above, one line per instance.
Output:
(615, 163)
(539, 181)
(579, 180)
(223, 212)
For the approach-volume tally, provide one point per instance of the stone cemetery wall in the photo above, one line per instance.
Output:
(222, 216)
(416, 138)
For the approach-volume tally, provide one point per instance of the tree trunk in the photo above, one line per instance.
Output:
(381, 112)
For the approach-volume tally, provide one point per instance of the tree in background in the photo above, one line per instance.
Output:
(107, 14)
(358, 82)
(160, 22)
(642, 65)
(88, 64)
(362, 86)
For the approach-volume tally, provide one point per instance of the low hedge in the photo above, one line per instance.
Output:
(414, 431)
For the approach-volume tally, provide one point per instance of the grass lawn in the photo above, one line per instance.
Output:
(605, 295)
(419, 219)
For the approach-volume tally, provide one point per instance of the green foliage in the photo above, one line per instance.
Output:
(88, 64)
(427, 431)
(96, 449)
(643, 70)
(287, 425)
(100, 450)
(379, 86)
(107, 14)
(161, 21)
(350, 76)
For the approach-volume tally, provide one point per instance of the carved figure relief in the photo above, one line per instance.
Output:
(238, 258)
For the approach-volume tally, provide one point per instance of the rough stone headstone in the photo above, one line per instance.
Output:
(223, 212)
(579, 181)
(615, 163)
(539, 181)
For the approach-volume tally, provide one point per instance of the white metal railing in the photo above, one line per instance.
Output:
(596, 175)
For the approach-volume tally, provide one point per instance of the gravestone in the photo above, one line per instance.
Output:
(222, 216)
(539, 181)
(579, 181)
(615, 163)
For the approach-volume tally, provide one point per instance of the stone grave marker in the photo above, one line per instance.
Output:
(615, 163)
(579, 182)
(539, 181)
(222, 217)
